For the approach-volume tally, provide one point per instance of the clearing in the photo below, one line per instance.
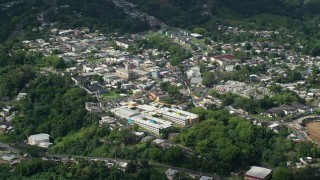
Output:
(313, 129)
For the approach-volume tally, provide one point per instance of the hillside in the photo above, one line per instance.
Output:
(19, 18)
(186, 13)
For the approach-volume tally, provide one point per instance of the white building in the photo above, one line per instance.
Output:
(150, 123)
(179, 117)
(194, 72)
(41, 140)
(124, 112)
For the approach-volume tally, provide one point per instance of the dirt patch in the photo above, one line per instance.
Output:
(313, 130)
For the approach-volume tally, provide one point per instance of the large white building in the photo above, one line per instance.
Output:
(150, 123)
(143, 115)
(124, 112)
(178, 116)
(41, 140)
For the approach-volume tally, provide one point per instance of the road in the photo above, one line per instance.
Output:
(9, 148)
(17, 151)
(151, 164)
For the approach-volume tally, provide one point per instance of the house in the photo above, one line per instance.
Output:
(194, 72)
(147, 139)
(206, 178)
(106, 120)
(123, 42)
(21, 96)
(224, 60)
(9, 157)
(125, 74)
(196, 81)
(171, 173)
(258, 173)
(41, 140)
(3, 128)
(94, 89)
(157, 95)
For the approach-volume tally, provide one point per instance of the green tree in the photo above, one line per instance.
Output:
(282, 174)
(208, 79)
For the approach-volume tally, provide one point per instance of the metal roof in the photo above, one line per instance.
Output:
(258, 172)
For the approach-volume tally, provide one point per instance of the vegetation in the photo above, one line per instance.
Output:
(177, 55)
(253, 105)
(38, 169)
(52, 106)
(105, 17)
(173, 91)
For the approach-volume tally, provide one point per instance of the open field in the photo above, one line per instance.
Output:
(313, 129)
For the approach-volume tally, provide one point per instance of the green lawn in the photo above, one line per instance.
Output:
(96, 60)
(110, 95)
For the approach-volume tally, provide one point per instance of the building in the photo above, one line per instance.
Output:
(94, 89)
(258, 173)
(196, 35)
(196, 82)
(206, 178)
(124, 112)
(171, 173)
(9, 157)
(194, 72)
(41, 140)
(125, 74)
(123, 42)
(150, 123)
(158, 95)
(224, 60)
(179, 117)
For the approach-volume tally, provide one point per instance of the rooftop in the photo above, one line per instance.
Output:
(38, 137)
(258, 172)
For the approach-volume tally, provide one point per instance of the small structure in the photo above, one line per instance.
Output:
(9, 157)
(41, 140)
(171, 173)
(206, 178)
(258, 173)
(196, 35)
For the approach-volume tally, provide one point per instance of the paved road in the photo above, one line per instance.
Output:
(9, 148)
(151, 163)
(15, 150)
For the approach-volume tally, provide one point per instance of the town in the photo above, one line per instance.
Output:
(139, 83)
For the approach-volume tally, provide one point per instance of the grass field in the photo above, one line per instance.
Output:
(313, 129)
(111, 95)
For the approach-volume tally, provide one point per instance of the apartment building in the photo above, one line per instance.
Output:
(178, 116)
(150, 123)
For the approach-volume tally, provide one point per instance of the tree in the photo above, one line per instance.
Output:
(208, 79)
(55, 62)
(154, 154)
(282, 174)
(199, 30)
(173, 154)
(131, 167)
